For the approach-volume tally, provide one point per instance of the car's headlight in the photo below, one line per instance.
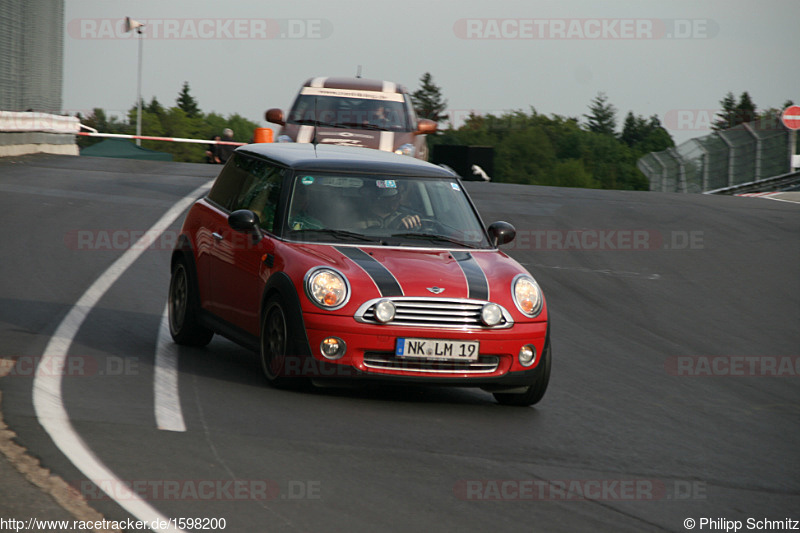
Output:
(285, 139)
(527, 295)
(406, 149)
(327, 288)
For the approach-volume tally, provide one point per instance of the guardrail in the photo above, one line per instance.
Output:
(745, 154)
(30, 133)
(17, 121)
(776, 183)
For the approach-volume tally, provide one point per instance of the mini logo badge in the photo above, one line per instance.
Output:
(436, 290)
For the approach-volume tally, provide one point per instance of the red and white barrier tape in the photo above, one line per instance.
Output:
(147, 138)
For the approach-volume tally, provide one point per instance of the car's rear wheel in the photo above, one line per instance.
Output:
(183, 309)
(535, 391)
(276, 343)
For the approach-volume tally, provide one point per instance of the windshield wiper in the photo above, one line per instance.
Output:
(340, 233)
(433, 237)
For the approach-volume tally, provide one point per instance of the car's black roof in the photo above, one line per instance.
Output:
(320, 158)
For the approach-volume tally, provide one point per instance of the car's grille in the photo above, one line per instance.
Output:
(485, 364)
(433, 312)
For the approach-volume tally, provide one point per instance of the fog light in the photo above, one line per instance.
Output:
(527, 355)
(384, 311)
(332, 348)
(491, 315)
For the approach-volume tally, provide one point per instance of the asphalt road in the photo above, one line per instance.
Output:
(674, 393)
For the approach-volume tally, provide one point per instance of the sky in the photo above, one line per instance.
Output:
(672, 58)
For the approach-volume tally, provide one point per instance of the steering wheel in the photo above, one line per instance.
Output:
(430, 225)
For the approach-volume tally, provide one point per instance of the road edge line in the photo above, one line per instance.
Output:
(47, 394)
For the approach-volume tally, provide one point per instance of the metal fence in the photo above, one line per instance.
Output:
(749, 152)
(31, 55)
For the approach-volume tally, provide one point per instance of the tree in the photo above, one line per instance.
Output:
(645, 135)
(536, 149)
(634, 129)
(727, 116)
(571, 173)
(155, 107)
(745, 109)
(427, 100)
(734, 113)
(603, 116)
(187, 102)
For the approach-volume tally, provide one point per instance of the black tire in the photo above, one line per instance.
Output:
(275, 344)
(535, 391)
(183, 308)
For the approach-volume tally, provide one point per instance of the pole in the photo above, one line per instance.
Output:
(139, 93)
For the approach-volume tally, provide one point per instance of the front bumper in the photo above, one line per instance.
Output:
(370, 353)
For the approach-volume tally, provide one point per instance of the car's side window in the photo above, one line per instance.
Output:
(261, 192)
(411, 116)
(249, 183)
(229, 183)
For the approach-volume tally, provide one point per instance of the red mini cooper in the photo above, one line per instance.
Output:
(345, 263)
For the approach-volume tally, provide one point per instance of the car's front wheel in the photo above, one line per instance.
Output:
(275, 344)
(183, 308)
(535, 391)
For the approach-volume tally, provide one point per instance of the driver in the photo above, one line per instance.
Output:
(384, 209)
(383, 117)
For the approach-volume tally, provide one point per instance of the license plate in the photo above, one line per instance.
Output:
(438, 349)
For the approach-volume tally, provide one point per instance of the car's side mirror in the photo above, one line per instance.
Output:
(245, 221)
(425, 127)
(275, 116)
(501, 233)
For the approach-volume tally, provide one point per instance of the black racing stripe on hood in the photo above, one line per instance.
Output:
(386, 282)
(477, 284)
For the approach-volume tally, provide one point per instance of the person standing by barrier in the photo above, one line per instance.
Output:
(211, 152)
(224, 151)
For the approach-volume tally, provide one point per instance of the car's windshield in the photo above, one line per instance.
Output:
(387, 210)
(346, 112)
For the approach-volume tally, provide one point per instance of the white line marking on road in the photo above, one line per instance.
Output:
(169, 415)
(797, 201)
(48, 401)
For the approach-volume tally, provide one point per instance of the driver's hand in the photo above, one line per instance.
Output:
(411, 221)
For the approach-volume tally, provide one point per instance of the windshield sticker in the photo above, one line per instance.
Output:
(337, 181)
(353, 93)
(455, 186)
(307, 180)
(386, 184)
